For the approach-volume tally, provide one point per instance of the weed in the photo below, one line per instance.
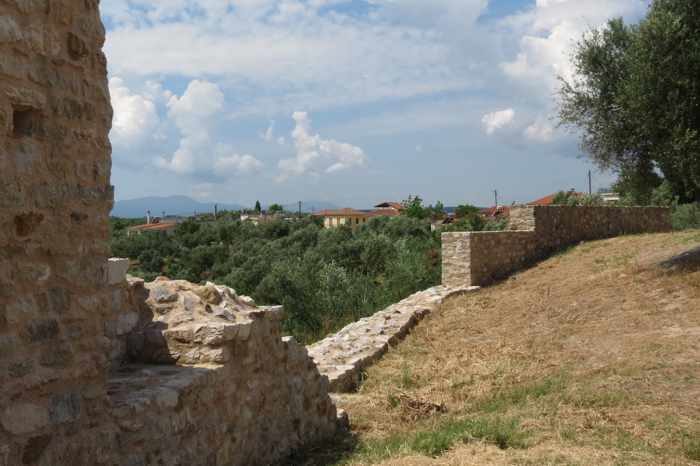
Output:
(407, 380)
(591, 399)
(504, 433)
(620, 439)
(691, 447)
(519, 395)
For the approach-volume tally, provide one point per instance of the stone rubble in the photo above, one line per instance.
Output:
(344, 355)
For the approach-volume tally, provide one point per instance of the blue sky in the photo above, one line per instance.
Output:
(350, 102)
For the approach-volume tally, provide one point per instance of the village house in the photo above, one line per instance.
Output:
(354, 218)
(156, 224)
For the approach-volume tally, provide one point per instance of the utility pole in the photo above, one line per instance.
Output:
(299, 209)
(590, 183)
(495, 194)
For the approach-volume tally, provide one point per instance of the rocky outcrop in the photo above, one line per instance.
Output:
(344, 355)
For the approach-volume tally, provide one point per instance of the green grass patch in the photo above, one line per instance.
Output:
(519, 395)
(595, 399)
(406, 380)
(619, 439)
(691, 446)
(504, 433)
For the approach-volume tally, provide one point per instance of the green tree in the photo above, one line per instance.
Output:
(466, 211)
(636, 99)
(275, 209)
(258, 207)
(413, 208)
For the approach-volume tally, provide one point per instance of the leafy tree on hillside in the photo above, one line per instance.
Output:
(636, 99)
(275, 209)
(258, 207)
(413, 208)
(466, 211)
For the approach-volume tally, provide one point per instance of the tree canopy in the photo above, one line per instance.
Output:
(636, 98)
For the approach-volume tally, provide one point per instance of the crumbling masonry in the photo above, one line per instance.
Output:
(95, 370)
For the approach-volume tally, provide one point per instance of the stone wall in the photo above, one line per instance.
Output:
(479, 258)
(208, 372)
(55, 198)
(344, 355)
(94, 370)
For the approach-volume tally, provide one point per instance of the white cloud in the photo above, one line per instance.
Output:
(315, 155)
(269, 134)
(194, 115)
(236, 164)
(135, 116)
(550, 30)
(282, 54)
(539, 131)
(497, 120)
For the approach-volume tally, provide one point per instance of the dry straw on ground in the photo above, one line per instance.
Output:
(592, 357)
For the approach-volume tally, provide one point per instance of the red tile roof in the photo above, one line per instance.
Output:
(500, 211)
(341, 213)
(154, 227)
(549, 200)
(390, 205)
(358, 213)
(384, 213)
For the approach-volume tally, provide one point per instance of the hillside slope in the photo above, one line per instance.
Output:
(593, 356)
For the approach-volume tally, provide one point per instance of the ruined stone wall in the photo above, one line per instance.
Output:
(208, 379)
(55, 198)
(479, 258)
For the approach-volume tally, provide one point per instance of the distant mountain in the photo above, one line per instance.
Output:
(171, 205)
(310, 206)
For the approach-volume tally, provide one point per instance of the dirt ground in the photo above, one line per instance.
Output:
(591, 357)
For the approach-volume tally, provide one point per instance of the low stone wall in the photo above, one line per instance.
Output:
(479, 258)
(344, 355)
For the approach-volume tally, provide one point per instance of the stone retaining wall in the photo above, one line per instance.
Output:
(479, 258)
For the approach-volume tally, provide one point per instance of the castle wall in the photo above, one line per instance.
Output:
(55, 198)
(479, 258)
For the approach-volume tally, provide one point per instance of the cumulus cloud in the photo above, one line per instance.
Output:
(549, 31)
(269, 133)
(286, 53)
(315, 155)
(539, 131)
(492, 122)
(135, 116)
(235, 163)
(194, 115)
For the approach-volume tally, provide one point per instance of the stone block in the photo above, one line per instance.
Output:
(64, 407)
(24, 418)
(116, 270)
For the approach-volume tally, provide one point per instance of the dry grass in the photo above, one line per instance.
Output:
(592, 357)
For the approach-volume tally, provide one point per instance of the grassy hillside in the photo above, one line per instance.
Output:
(592, 357)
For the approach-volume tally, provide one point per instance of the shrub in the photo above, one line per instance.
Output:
(686, 216)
